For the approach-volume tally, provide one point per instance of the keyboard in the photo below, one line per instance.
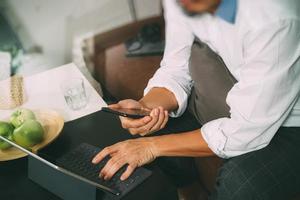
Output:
(79, 162)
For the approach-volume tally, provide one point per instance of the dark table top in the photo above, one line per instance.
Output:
(99, 129)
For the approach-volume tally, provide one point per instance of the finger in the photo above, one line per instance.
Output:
(128, 172)
(113, 154)
(133, 131)
(135, 123)
(145, 129)
(107, 166)
(125, 103)
(165, 120)
(146, 109)
(102, 154)
(129, 103)
(160, 120)
(116, 105)
(116, 166)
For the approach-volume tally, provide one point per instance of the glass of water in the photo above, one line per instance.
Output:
(74, 93)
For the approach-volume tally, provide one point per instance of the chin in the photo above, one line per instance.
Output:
(189, 12)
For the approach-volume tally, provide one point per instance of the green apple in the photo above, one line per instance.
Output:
(20, 116)
(6, 130)
(5, 145)
(29, 133)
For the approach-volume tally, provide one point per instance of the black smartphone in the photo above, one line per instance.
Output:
(127, 112)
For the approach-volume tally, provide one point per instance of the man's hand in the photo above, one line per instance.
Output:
(156, 121)
(135, 153)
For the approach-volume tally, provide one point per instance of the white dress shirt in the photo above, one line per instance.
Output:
(261, 49)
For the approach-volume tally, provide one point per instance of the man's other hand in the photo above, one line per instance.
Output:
(135, 153)
(144, 126)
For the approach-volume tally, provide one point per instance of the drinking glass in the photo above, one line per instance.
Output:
(75, 94)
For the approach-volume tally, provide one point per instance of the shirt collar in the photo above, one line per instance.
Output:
(227, 10)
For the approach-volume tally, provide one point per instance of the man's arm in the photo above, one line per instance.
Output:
(173, 74)
(190, 144)
(160, 97)
(185, 144)
(266, 92)
(171, 84)
(138, 152)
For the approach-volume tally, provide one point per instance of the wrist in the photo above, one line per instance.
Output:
(154, 146)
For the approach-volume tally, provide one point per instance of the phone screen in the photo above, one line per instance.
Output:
(127, 112)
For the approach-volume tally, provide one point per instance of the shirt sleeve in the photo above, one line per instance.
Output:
(173, 73)
(265, 94)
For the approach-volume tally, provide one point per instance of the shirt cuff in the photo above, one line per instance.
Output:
(215, 137)
(180, 95)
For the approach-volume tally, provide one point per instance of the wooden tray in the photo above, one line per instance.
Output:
(52, 123)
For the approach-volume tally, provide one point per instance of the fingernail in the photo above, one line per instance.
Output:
(95, 160)
(122, 178)
(156, 112)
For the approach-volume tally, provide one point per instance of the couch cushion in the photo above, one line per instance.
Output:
(125, 77)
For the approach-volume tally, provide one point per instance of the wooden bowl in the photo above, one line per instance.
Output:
(52, 123)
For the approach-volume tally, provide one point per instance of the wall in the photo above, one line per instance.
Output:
(51, 25)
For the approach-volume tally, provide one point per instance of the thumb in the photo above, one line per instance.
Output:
(130, 103)
(115, 105)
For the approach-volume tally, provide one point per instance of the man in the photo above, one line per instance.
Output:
(255, 46)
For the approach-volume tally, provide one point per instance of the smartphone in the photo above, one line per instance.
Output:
(127, 112)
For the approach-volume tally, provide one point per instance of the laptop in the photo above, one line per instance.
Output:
(77, 164)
